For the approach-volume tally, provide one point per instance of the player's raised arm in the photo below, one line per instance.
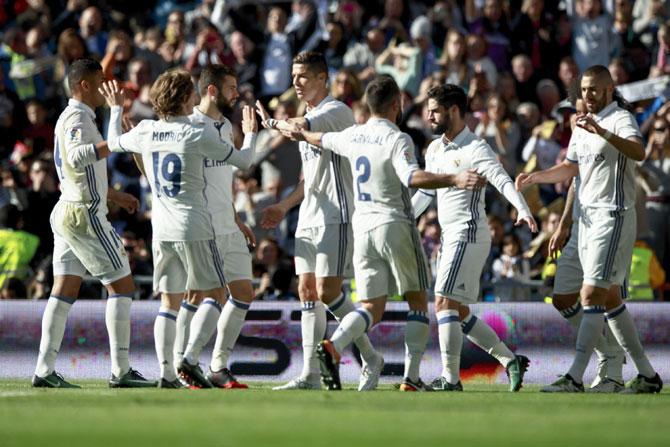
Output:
(631, 147)
(487, 164)
(117, 141)
(244, 157)
(81, 152)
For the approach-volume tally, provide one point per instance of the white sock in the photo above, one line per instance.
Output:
(615, 356)
(186, 312)
(202, 328)
(53, 328)
(623, 328)
(227, 331)
(313, 325)
(481, 334)
(352, 326)
(117, 319)
(587, 337)
(340, 307)
(416, 338)
(164, 332)
(451, 342)
(573, 315)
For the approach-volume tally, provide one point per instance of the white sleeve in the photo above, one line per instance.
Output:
(114, 129)
(330, 118)
(130, 141)
(626, 126)
(421, 201)
(486, 163)
(572, 147)
(214, 146)
(244, 157)
(337, 142)
(529, 148)
(80, 150)
(403, 159)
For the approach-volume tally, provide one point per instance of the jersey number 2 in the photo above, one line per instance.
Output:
(170, 172)
(363, 170)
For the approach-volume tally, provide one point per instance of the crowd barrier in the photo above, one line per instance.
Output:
(269, 348)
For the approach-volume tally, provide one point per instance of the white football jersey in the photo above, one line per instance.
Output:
(607, 175)
(382, 160)
(174, 153)
(82, 175)
(328, 195)
(219, 177)
(461, 212)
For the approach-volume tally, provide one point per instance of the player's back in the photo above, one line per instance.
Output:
(82, 180)
(382, 160)
(173, 153)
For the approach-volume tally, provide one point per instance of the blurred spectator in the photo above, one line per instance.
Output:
(421, 33)
(595, 40)
(479, 60)
(501, 131)
(275, 272)
(526, 78)
(568, 72)
(491, 23)
(90, 29)
(346, 87)
(334, 47)
(172, 49)
(533, 35)
(361, 56)
(512, 266)
(42, 197)
(646, 273)
(454, 60)
(17, 247)
(39, 136)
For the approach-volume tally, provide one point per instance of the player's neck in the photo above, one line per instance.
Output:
(454, 131)
(84, 101)
(210, 109)
(318, 97)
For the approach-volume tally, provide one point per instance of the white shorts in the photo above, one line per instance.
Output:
(187, 265)
(325, 251)
(569, 273)
(606, 241)
(85, 241)
(459, 268)
(389, 260)
(235, 255)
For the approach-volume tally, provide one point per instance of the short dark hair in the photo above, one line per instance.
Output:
(448, 95)
(80, 70)
(315, 61)
(598, 71)
(213, 75)
(381, 92)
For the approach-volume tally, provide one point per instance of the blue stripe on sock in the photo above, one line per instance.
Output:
(337, 303)
(468, 324)
(420, 317)
(448, 319)
(189, 307)
(65, 299)
(239, 304)
(167, 315)
(366, 317)
(212, 302)
(571, 311)
(308, 305)
(594, 309)
(616, 312)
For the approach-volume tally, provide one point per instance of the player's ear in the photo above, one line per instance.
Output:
(212, 90)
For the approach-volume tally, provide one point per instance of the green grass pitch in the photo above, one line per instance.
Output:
(483, 415)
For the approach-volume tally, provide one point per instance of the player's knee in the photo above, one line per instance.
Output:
(242, 290)
(562, 302)
(327, 291)
(307, 293)
(593, 296)
(194, 297)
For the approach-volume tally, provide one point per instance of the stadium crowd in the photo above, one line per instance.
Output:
(516, 59)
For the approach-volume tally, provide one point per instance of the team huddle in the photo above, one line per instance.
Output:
(357, 218)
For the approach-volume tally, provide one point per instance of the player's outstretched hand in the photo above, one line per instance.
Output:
(249, 124)
(265, 116)
(126, 201)
(557, 241)
(523, 180)
(587, 123)
(528, 220)
(470, 180)
(113, 93)
(272, 215)
(294, 133)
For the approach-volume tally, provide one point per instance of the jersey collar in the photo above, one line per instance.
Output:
(457, 141)
(81, 106)
(383, 121)
(606, 110)
(197, 112)
(325, 100)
